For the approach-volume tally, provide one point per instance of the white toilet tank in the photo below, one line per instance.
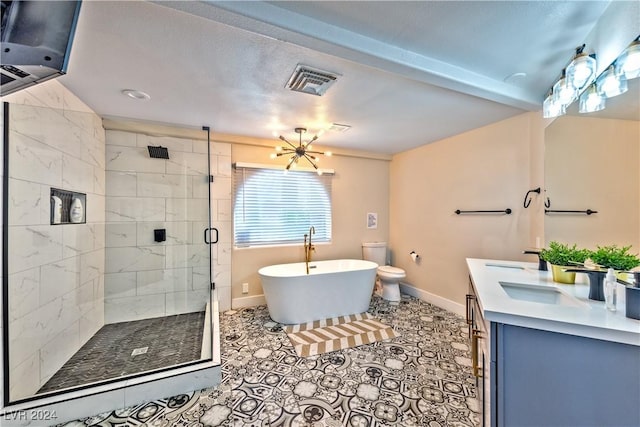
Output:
(375, 251)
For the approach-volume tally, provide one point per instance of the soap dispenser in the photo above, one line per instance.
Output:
(610, 284)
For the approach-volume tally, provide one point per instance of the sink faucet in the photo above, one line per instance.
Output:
(542, 264)
(308, 247)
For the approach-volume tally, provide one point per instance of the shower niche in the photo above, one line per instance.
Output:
(68, 207)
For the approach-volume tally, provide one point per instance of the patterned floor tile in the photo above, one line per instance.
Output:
(168, 341)
(421, 378)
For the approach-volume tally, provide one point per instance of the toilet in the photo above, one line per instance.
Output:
(389, 276)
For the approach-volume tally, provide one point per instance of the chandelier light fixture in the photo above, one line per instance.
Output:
(302, 150)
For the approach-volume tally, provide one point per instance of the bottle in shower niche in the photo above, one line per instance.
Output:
(76, 213)
(56, 210)
(610, 284)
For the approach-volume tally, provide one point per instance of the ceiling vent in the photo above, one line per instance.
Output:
(337, 127)
(311, 80)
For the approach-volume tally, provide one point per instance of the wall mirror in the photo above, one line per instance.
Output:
(592, 161)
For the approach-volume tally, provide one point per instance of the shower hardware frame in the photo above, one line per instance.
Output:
(5, 256)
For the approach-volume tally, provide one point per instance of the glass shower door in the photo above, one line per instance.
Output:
(106, 275)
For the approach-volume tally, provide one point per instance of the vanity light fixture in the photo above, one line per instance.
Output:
(581, 71)
(563, 91)
(628, 64)
(578, 80)
(591, 100)
(611, 84)
(552, 108)
(302, 150)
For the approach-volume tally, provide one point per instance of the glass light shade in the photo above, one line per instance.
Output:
(629, 62)
(551, 108)
(581, 71)
(591, 101)
(611, 84)
(564, 92)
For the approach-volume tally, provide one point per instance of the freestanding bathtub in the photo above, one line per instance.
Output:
(332, 288)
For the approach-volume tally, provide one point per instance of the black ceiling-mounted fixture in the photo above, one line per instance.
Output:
(35, 41)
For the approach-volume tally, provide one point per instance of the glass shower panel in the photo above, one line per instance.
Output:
(107, 273)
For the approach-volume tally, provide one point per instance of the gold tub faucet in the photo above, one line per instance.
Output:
(308, 248)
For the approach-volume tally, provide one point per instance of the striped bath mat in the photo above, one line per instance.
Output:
(323, 336)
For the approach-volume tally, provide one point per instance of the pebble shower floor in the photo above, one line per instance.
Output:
(421, 378)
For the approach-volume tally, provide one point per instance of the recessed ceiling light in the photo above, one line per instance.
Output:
(515, 77)
(136, 94)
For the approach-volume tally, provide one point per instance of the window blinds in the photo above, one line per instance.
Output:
(273, 208)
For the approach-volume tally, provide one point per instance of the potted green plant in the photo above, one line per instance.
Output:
(562, 256)
(605, 257)
(614, 257)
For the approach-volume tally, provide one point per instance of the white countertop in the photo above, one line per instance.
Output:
(590, 319)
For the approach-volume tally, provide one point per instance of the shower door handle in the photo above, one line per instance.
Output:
(208, 231)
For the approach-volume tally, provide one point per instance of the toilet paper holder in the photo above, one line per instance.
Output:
(414, 256)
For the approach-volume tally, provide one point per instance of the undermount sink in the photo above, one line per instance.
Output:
(540, 294)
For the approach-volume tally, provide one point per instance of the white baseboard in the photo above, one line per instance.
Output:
(433, 299)
(248, 301)
(404, 287)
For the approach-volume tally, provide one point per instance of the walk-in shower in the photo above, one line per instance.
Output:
(106, 272)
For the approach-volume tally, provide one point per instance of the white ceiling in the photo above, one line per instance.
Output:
(411, 72)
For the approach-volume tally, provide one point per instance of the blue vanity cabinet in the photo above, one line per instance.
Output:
(532, 377)
(547, 378)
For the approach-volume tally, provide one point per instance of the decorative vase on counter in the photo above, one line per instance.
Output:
(632, 297)
(561, 276)
(632, 303)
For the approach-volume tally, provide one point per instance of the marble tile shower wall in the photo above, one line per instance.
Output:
(55, 271)
(145, 278)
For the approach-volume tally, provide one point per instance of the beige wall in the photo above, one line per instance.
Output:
(593, 163)
(360, 185)
(484, 169)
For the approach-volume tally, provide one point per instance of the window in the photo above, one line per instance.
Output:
(272, 207)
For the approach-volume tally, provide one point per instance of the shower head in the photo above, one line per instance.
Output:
(158, 152)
